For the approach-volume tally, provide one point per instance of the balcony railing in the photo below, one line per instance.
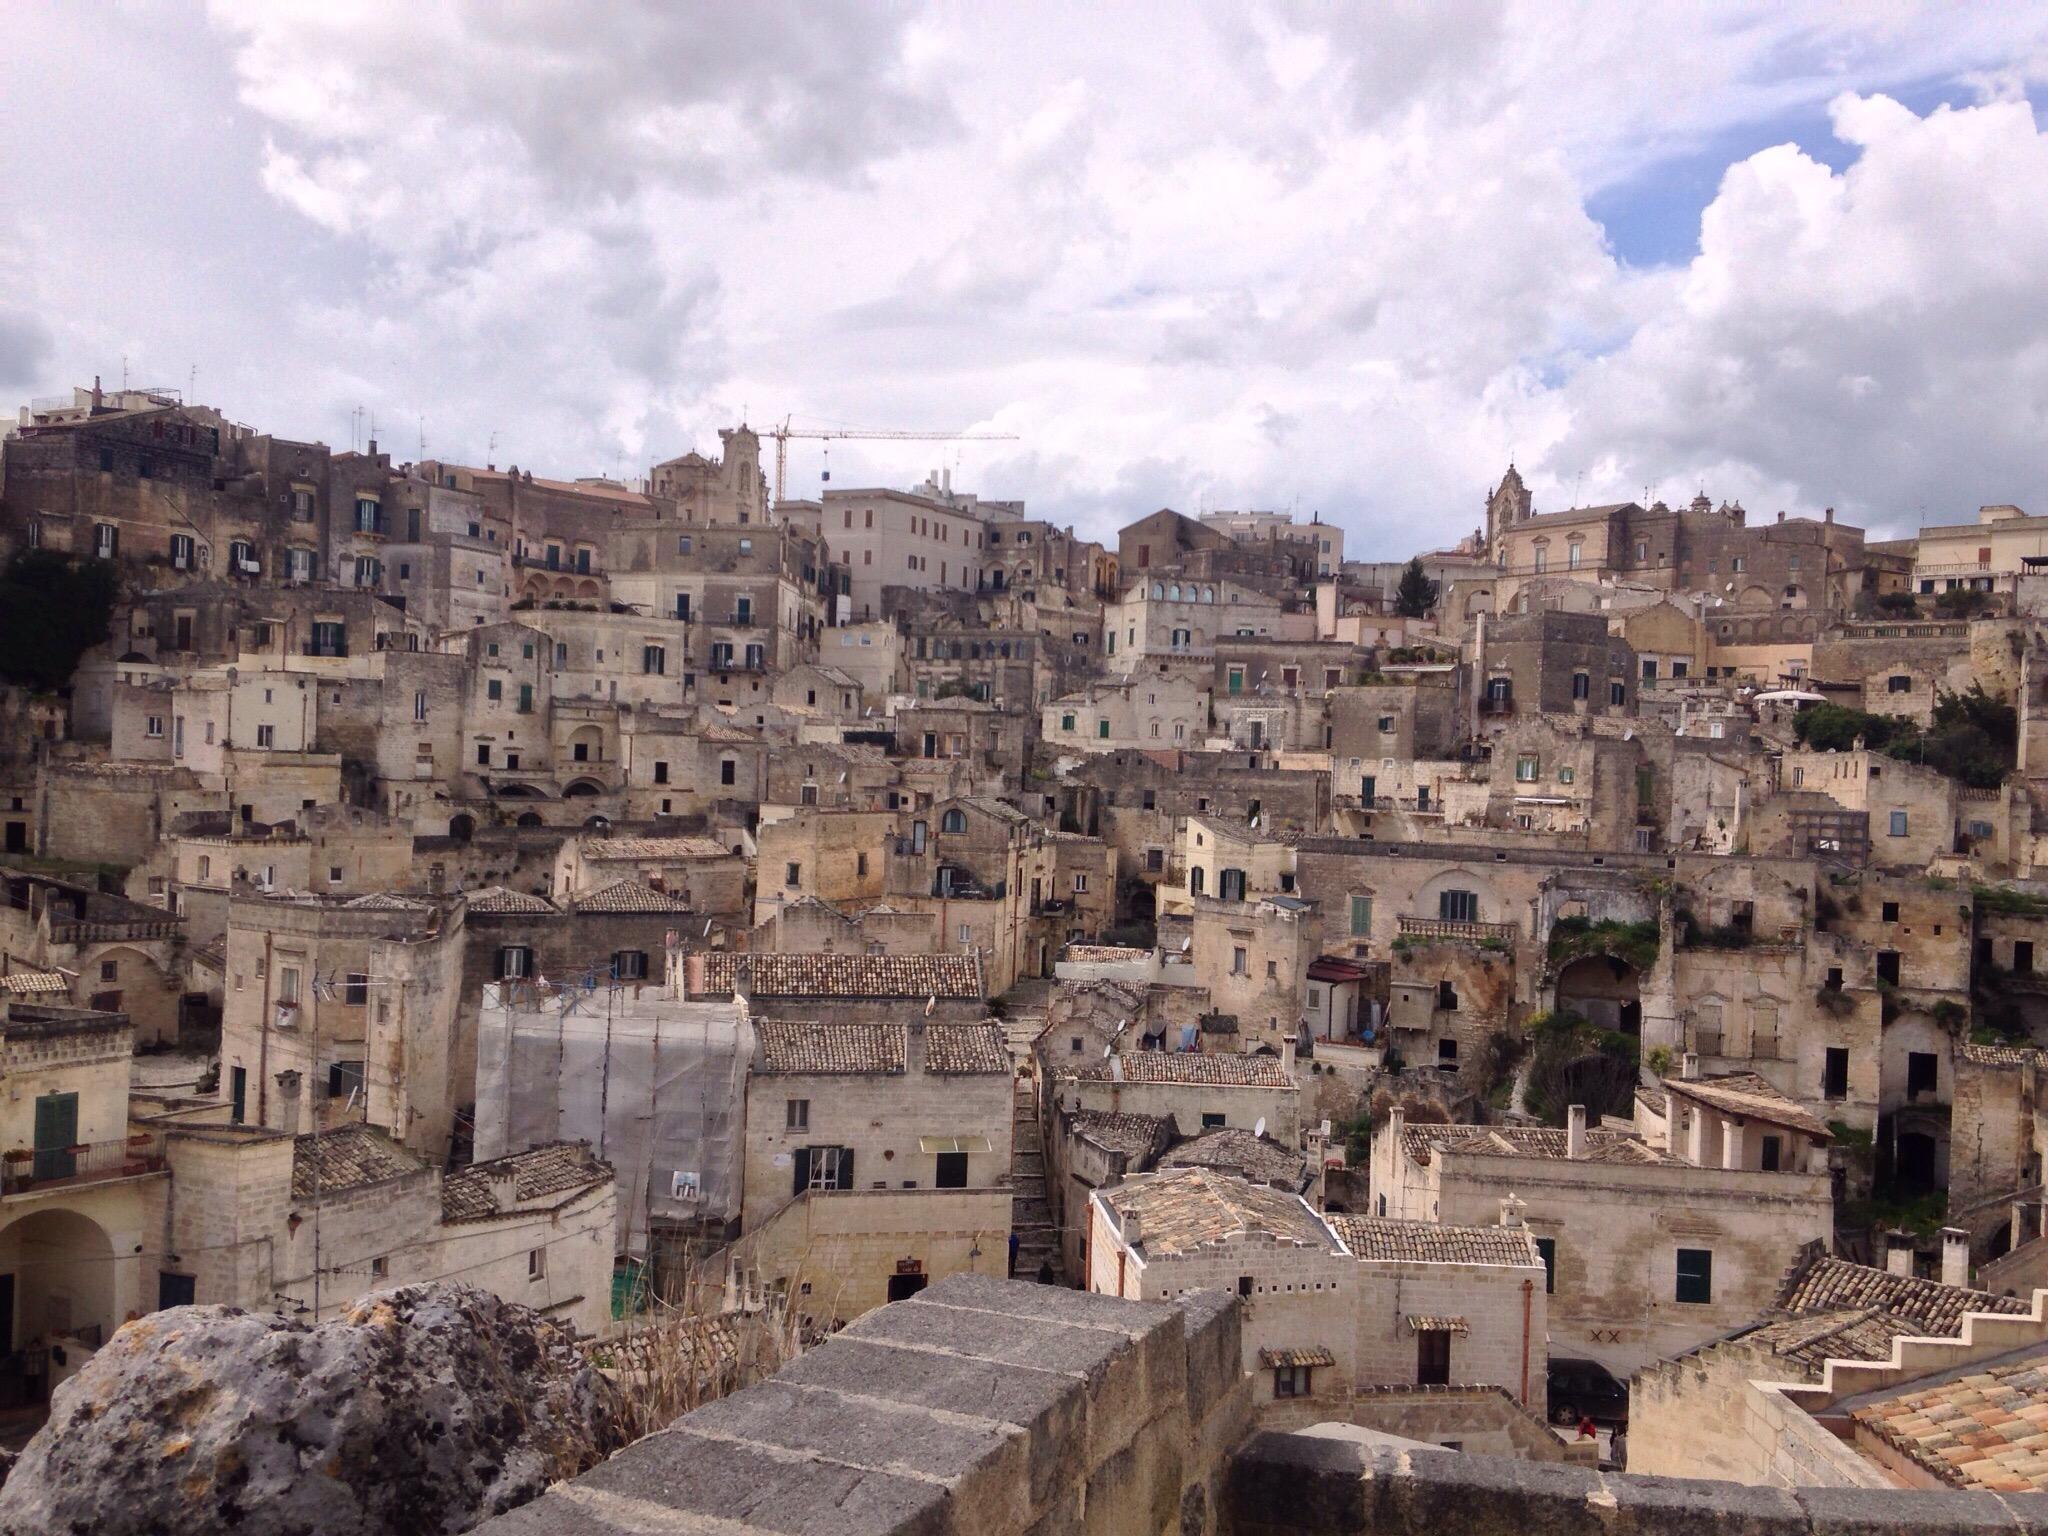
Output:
(1452, 928)
(87, 1163)
(1496, 706)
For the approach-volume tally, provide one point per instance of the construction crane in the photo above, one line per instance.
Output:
(785, 432)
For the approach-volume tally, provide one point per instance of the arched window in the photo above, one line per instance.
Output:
(1174, 592)
(1208, 594)
(1158, 591)
(953, 821)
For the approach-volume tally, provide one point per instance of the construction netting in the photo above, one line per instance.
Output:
(656, 1085)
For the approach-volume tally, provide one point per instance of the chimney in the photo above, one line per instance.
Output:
(1955, 1257)
(1689, 1067)
(1781, 517)
(373, 447)
(96, 397)
(913, 1047)
(1898, 1253)
(1132, 1227)
(1829, 516)
(1511, 1210)
(1575, 1133)
(288, 1090)
(1287, 1049)
(1397, 1124)
(1116, 1067)
(693, 975)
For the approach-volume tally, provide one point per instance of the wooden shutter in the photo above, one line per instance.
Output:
(803, 1170)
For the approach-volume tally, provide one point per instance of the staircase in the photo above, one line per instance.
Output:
(1030, 1215)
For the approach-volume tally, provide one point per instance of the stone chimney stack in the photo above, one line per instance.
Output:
(288, 1090)
(1397, 1124)
(1133, 1229)
(503, 1181)
(1287, 1050)
(1955, 1257)
(1898, 1253)
(1575, 1133)
(1511, 1210)
(693, 974)
(1689, 1066)
(913, 1047)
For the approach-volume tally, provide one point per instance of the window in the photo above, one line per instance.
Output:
(728, 771)
(1525, 769)
(1582, 685)
(1102, 729)
(1888, 966)
(155, 726)
(266, 736)
(1898, 824)
(106, 541)
(952, 1171)
(1447, 1002)
(796, 1114)
(380, 1268)
(1433, 1358)
(823, 1168)
(288, 985)
(2023, 956)
(1080, 884)
(1361, 916)
(1922, 1073)
(1447, 1053)
(792, 874)
(1458, 906)
(1292, 1380)
(953, 821)
(515, 961)
(536, 1263)
(344, 1079)
(1067, 721)
(1891, 911)
(1773, 1154)
(1237, 960)
(1695, 1276)
(356, 989)
(1617, 693)
(653, 660)
(1546, 1249)
(1898, 682)
(1834, 1080)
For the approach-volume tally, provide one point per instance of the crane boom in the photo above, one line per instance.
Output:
(783, 433)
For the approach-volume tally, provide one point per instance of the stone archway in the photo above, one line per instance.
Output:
(1605, 991)
(61, 1268)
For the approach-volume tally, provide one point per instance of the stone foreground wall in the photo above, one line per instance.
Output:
(981, 1407)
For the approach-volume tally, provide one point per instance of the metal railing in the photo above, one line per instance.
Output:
(86, 1163)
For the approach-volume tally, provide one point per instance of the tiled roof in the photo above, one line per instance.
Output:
(627, 896)
(1423, 1322)
(1998, 1055)
(965, 1049)
(1102, 954)
(1748, 1095)
(1192, 1208)
(1230, 1150)
(787, 1046)
(498, 898)
(1372, 1237)
(560, 1168)
(822, 975)
(348, 1158)
(806, 1047)
(1224, 1069)
(1861, 1333)
(1823, 1284)
(1270, 1358)
(34, 983)
(1133, 1135)
(1988, 1429)
(386, 901)
(1602, 1146)
(598, 850)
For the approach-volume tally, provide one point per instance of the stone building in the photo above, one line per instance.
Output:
(1160, 1236)
(1650, 1251)
(875, 1159)
(117, 956)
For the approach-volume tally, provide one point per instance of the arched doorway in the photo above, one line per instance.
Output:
(59, 1266)
(462, 827)
(582, 789)
(1605, 991)
(531, 819)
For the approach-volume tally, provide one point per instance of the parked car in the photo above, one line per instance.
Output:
(1585, 1389)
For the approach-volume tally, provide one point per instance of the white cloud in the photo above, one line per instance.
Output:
(1279, 255)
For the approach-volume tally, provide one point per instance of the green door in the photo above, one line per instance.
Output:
(56, 1134)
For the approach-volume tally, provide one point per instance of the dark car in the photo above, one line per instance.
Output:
(1585, 1389)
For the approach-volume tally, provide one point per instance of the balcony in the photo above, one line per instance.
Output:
(22, 1171)
(1491, 705)
(1441, 928)
(959, 890)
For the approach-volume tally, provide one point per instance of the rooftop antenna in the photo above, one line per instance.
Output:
(423, 435)
(124, 373)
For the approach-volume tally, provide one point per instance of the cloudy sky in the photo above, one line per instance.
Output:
(1342, 258)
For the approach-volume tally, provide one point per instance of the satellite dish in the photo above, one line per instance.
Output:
(1260, 1128)
(1109, 1050)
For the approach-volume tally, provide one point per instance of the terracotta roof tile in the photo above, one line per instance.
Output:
(1188, 1209)
(34, 983)
(1223, 1069)
(1134, 1135)
(950, 1049)
(1747, 1094)
(349, 1158)
(825, 976)
(1988, 1429)
(560, 1168)
(627, 896)
(1230, 1150)
(1270, 1358)
(1375, 1238)
(607, 849)
(1830, 1284)
(498, 898)
(1602, 1146)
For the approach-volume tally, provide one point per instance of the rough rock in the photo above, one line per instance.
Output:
(423, 1409)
